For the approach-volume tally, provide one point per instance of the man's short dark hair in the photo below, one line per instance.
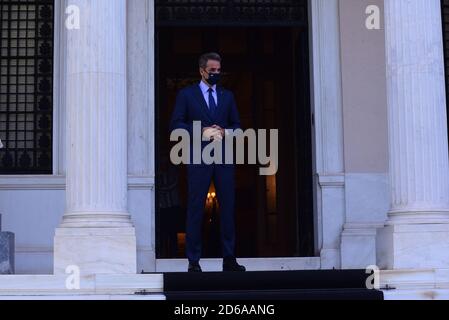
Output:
(208, 56)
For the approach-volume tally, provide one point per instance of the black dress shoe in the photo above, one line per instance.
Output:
(195, 267)
(231, 265)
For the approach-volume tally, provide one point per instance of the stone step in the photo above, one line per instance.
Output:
(149, 286)
(272, 285)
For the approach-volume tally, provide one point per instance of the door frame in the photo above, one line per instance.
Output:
(327, 145)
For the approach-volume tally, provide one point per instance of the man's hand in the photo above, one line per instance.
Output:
(212, 133)
(222, 131)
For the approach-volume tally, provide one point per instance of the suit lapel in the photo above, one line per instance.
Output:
(202, 103)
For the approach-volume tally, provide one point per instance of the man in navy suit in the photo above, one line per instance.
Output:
(216, 109)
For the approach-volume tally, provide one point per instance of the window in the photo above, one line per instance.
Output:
(26, 92)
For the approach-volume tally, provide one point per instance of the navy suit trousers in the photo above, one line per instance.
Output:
(199, 180)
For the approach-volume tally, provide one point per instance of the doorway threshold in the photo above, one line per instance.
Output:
(251, 264)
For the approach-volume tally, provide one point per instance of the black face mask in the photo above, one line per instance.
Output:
(214, 78)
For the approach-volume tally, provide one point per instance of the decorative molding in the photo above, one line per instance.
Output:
(141, 183)
(230, 12)
(49, 250)
(328, 180)
(361, 228)
(58, 183)
(30, 182)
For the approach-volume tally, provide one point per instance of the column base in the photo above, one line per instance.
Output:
(358, 245)
(413, 246)
(95, 250)
(96, 220)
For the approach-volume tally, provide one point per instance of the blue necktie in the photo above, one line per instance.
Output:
(212, 104)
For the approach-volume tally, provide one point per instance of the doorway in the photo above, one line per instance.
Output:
(267, 68)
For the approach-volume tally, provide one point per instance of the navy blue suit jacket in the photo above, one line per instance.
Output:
(190, 106)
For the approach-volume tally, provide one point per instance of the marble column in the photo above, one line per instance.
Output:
(417, 231)
(96, 233)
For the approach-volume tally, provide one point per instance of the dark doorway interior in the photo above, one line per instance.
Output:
(267, 68)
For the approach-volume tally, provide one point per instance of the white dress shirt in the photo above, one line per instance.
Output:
(205, 90)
